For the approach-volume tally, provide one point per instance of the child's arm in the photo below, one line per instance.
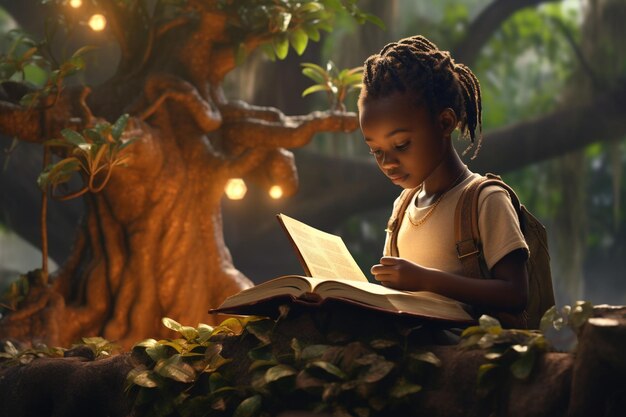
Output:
(506, 291)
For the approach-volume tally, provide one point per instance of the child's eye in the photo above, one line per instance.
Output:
(402, 146)
(376, 152)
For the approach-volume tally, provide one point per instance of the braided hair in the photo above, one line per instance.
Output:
(417, 66)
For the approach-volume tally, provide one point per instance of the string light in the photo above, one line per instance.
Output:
(235, 189)
(276, 192)
(76, 3)
(97, 22)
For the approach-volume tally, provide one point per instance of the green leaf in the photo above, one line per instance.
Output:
(377, 371)
(119, 126)
(281, 46)
(523, 366)
(427, 357)
(261, 329)
(263, 352)
(171, 324)
(312, 33)
(381, 344)
(402, 388)
(73, 137)
(204, 331)
(189, 333)
(319, 77)
(143, 378)
(314, 89)
(279, 372)
(249, 407)
(487, 322)
(375, 20)
(311, 7)
(261, 363)
(217, 381)
(548, 319)
(268, 50)
(231, 326)
(328, 369)
(299, 40)
(215, 359)
(157, 352)
(313, 351)
(174, 368)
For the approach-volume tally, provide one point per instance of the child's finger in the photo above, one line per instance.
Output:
(383, 278)
(377, 269)
(389, 260)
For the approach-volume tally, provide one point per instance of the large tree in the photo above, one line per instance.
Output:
(150, 242)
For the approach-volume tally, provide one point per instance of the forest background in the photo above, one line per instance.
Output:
(538, 61)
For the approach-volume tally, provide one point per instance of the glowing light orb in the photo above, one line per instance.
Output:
(235, 189)
(97, 22)
(76, 3)
(276, 192)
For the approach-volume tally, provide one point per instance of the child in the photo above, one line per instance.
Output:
(413, 97)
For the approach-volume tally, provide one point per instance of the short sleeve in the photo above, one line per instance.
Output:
(387, 247)
(498, 225)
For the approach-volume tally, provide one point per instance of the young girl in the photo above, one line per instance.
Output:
(413, 97)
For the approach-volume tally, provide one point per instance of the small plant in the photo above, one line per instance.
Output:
(515, 352)
(336, 83)
(94, 154)
(188, 376)
(11, 355)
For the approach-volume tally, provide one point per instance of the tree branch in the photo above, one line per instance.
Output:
(237, 110)
(485, 25)
(290, 132)
(557, 133)
(162, 87)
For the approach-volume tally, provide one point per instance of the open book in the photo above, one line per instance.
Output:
(333, 274)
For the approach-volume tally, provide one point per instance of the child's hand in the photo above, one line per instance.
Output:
(399, 273)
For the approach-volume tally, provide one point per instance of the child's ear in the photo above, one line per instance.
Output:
(448, 121)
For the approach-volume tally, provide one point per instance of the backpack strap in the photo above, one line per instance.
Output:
(467, 235)
(393, 226)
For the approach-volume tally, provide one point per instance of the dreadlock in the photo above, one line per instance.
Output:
(416, 65)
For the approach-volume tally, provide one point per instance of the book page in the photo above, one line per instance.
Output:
(323, 255)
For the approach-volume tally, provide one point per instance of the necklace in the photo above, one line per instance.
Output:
(433, 206)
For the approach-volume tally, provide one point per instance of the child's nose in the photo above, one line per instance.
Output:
(388, 160)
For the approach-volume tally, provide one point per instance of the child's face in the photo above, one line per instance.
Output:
(406, 140)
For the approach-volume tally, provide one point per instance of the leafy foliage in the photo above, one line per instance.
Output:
(283, 23)
(33, 63)
(11, 355)
(94, 153)
(188, 376)
(336, 83)
(516, 352)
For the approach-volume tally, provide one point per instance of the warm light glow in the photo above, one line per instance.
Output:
(76, 3)
(276, 192)
(97, 22)
(235, 189)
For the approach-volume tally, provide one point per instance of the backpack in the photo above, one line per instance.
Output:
(469, 248)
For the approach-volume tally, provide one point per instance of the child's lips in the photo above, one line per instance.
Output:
(396, 178)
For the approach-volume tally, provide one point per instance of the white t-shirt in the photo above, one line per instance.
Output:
(432, 244)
